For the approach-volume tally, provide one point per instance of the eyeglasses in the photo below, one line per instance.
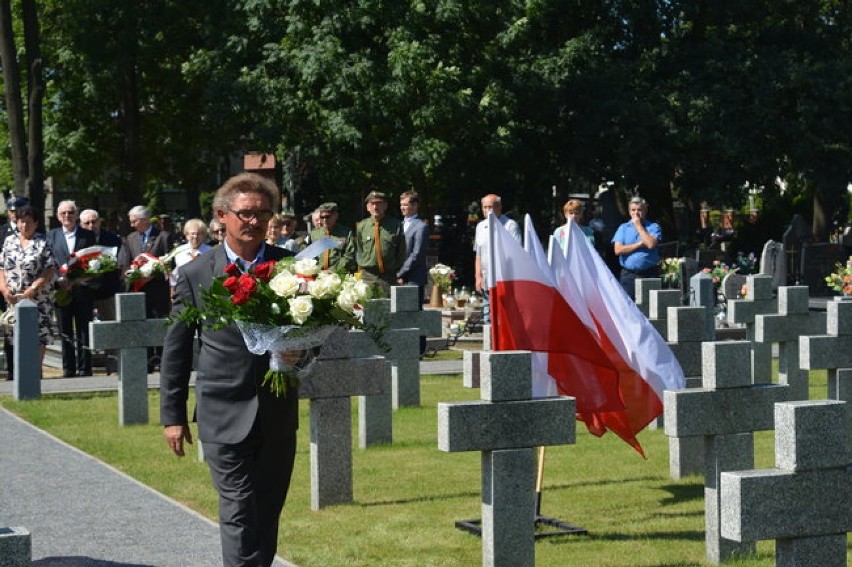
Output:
(218, 231)
(325, 216)
(247, 215)
(67, 212)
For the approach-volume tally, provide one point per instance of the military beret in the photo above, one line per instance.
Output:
(375, 195)
(328, 207)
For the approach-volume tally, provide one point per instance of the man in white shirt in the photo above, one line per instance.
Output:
(491, 203)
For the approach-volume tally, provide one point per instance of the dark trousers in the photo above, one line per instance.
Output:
(252, 479)
(74, 330)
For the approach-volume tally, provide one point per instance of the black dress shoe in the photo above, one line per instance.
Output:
(84, 373)
(67, 374)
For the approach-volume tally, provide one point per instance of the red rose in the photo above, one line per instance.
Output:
(232, 269)
(240, 297)
(247, 284)
(230, 284)
(263, 271)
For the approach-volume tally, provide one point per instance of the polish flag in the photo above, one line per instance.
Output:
(529, 313)
(646, 365)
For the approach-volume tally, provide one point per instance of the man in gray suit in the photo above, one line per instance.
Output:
(415, 268)
(248, 434)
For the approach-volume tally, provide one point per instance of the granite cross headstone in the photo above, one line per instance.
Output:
(805, 502)
(643, 288)
(833, 352)
(658, 307)
(686, 331)
(793, 320)
(403, 311)
(759, 300)
(702, 293)
(506, 426)
(375, 413)
(726, 412)
(329, 383)
(131, 333)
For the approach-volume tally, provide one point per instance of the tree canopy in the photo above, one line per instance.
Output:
(456, 98)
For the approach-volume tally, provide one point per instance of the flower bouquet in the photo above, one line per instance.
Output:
(282, 307)
(144, 268)
(442, 276)
(670, 270)
(83, 265)
(841, 278)
(746, 264)
(718, 272)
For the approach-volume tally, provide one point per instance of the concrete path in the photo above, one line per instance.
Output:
(81, 512)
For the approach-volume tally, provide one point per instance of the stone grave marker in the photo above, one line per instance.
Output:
(805, 502)
(702, 293)
(375, 413)
(793, 320)
(329, 383)
(773, 263)
(15, 547)
(658, 306)
(643, 288)
(818, 259)
(759, 300)
(687, 269)
(833, 351)
(725, 412)
(686, 331)
(26, 352)
(506, 426)
(732, 285)
(402, 311)
(131, 334)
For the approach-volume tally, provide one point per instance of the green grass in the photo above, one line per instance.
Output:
(408, 495)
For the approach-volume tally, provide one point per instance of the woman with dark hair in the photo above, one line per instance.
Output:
(27, 267)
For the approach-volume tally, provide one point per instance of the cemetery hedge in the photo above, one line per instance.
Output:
(408, 495)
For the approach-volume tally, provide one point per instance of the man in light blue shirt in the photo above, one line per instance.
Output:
(635, 244)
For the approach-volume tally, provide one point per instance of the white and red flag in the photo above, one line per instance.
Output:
(598, 346)
(529, 313)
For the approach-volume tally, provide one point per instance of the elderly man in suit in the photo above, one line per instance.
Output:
(110, 283)
(73, 317)
(146, 237)
(248, 434)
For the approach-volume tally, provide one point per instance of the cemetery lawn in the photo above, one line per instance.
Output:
(407, 496)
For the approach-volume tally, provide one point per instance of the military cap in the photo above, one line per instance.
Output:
(16, 203)
(375, 195)
(288, 214)
(328, 207)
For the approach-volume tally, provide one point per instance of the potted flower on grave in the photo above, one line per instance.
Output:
(670, 272)
(442, 277)
(289, 305)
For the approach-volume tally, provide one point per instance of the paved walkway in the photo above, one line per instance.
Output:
(83, 513)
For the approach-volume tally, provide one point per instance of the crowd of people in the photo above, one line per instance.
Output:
(385, 250)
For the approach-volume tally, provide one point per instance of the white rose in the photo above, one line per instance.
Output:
(347, 299)
(362, 289)
(284, 284)
(95, 265)
(307, 267)
(326, 285)
(146, 269)
(301, 308)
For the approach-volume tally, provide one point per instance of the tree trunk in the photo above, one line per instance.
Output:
(14, 106)
(36, 89)
(130, 119)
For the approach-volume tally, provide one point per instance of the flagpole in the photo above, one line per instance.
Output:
(539, 480)
(492, 265)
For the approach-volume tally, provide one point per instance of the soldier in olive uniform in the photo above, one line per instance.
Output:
(337, 259)
(379, 264)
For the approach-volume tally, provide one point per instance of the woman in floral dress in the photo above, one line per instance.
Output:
(26, 270)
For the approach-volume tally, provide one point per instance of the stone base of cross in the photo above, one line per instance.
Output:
(506, 426)
(329, 384)
(805, 503)
(131, 334)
